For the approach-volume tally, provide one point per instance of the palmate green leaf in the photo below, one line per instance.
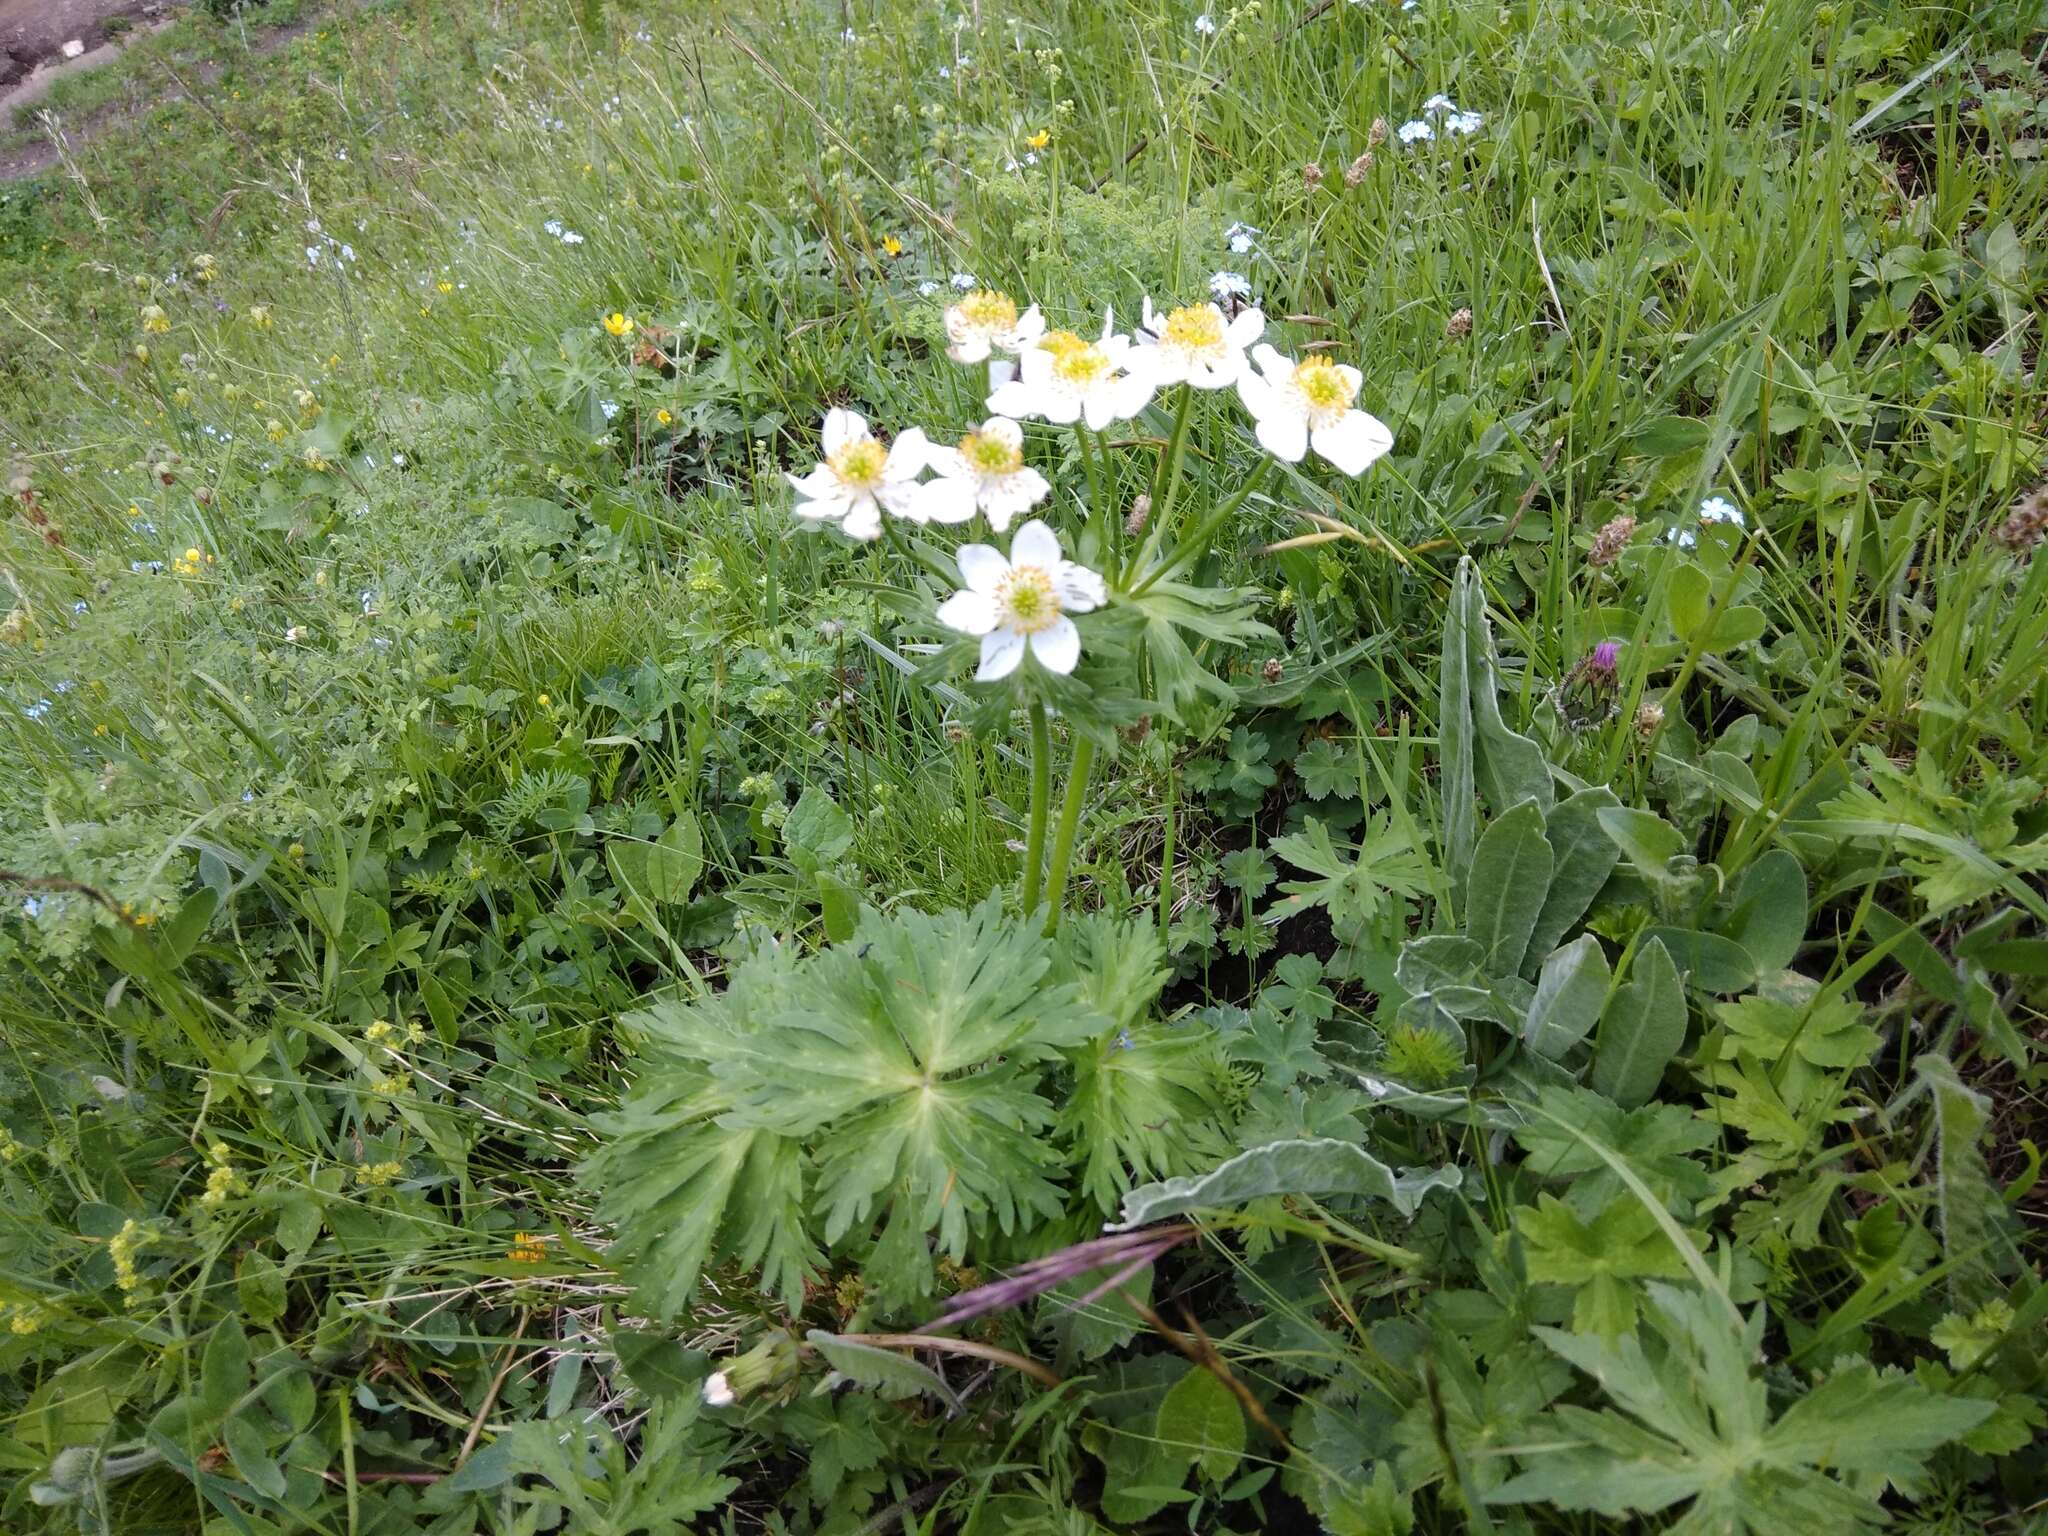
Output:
(1351, 882)
(1147, 1103)
(1691, 1421)
(1600, 1258)
(1220, 615)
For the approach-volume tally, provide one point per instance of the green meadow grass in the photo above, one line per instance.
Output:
(343, 852)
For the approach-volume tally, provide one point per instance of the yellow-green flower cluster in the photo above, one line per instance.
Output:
(121, 1249)
(222, 1181)
(26, 1319)
(379, 1175)
(10, 1149)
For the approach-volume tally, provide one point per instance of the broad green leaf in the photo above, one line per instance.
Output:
(1712, 963)
(1973, 1216)
(1201, 1420)
(259, 1285)
(817, 832)
(1688, 596)
(1585, 856)
(886, 1372)
(178, 936)
(675, 860)
(1768, 918)
(248, 1445)
(1666, 437)
(1479, 752)
(660, 1367)
(1647, 840)
(224, 1368)
(1510, 878)
(1642, 1028)
(1570, 990)
(838, 906)
(1318, 1166)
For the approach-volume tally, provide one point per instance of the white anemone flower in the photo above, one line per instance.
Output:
(986, 472)
(1196, 345)
(1312, 403)
(986, 320)
(1022, 603)
(860, 479)
(1065, 379)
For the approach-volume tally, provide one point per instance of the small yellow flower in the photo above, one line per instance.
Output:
(1039, 139)
(133, 510)
(891, 246)
(663, 417)
(544, 701)
(275, 430)
(121, 1250)
(181, 395)
(141, 353)
(526, 1249)
(154, 321)
(314, 459)
(205, 268)
(445, 286)
(619, 324)
(25, 1320)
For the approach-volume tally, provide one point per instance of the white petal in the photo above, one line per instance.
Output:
(1079, 588)
(1016, 492)
(1352, 377)
(1003, 430)
(842, 427)
(819, 482)
(1098, 408)
(1001, 652)
(944, 501)
(1270, 362)
(1000, 371)
(948, 462)
(1036, 544)
(1030, 326)
(1148, 318)
(969, 349)
(908, 455)
(1217, 375)
(981, 567)
(1354, 442)
(899, 496)
(1015, 398)
(823, 508)
(1060, 407)
(1284, 435)
(1257, 396)
(1245, 329)
(1057, 646)
(863, 519)
(971, 613)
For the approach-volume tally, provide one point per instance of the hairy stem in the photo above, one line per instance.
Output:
(1041, 794)
(1070, 819)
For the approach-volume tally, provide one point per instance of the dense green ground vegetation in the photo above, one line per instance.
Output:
(1503, 993)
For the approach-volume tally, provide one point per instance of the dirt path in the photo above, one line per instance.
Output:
(33, 35)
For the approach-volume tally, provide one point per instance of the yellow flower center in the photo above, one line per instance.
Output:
(1198, 329)
(991, 455)
(858, 464)
(1026, 599)
(1057, 342)
(986, 309)
(1081, 365)
(1324, 390)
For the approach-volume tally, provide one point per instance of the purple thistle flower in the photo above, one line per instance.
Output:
(1605, 654)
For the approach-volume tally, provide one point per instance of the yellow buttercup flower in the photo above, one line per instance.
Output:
(445, 286)
(619, 324)
(1039, 139)
(663, 417)
(891, 246)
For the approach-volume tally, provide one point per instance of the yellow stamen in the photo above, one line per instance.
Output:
(991, 455)
(1324, 389)
(858, 464)
(1197, 329)
(1026, 599)
(987, 309)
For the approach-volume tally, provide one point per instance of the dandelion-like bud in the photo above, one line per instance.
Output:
(1311, 176)
(1649, 720)
(1358, 170)
(2026, 525)
(1378, 134)
(1140, 514)
(1460, 323)
(1610, 541)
